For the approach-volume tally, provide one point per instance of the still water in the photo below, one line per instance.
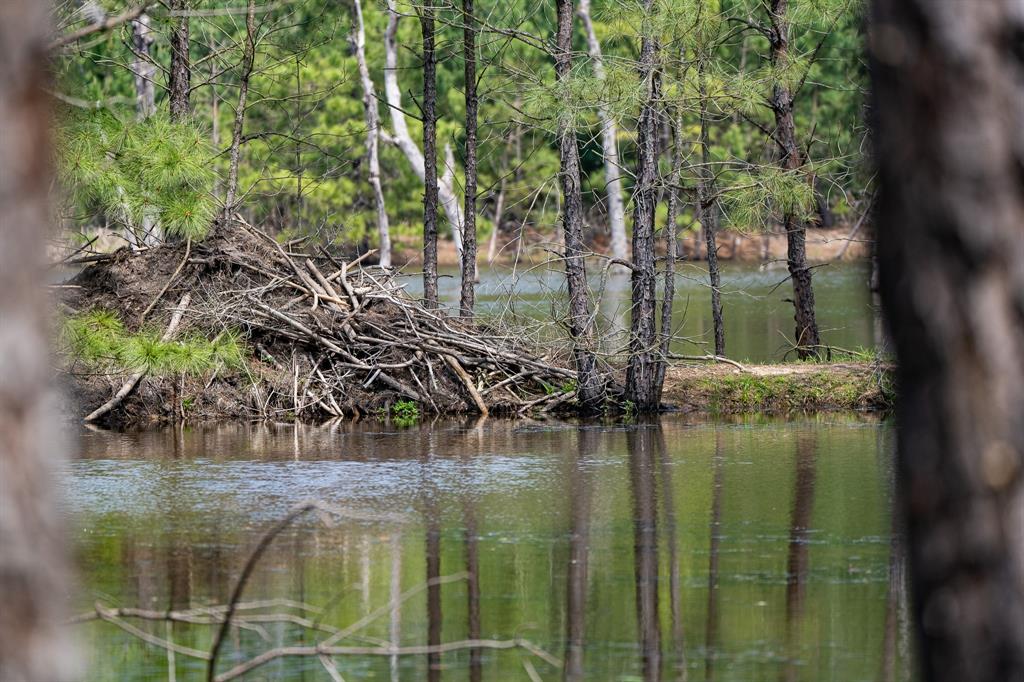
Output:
(742, 550)
(757, 310)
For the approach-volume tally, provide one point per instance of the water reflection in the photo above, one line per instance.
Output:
(736, 551)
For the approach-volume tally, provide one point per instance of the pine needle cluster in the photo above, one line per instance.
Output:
(99, 340)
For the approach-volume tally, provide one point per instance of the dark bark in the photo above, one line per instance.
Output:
(466, 301)
(642, 372)
(949, 109)
(429, 159)
(579, 554)
(33, 568)
(708, 207)
(797, 558)
(589, 386)
(642, 469)
(180, 82)
(806, 337)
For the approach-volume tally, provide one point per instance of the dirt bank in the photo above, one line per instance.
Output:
(775, 389)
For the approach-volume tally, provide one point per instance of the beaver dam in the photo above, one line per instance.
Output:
(240, 326)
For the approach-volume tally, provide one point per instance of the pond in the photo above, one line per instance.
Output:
(757, 310)
(734, 550)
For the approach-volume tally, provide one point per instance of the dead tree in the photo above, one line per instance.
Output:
(807, 339)
(581, 327)
(372, 138)
(466, 300)
(609, 145)
(33, 569)
(180, 82)
(642, 372)
(949, 110)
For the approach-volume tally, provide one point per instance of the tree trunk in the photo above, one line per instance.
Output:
(671, 247)
(589, 388)
(180, 83)
(429, 159)
(372, 138)
(33, 565)
(806, 337)
(466, 301)
(609, 145)
(949, 110)
(442, 190)
(248, 58)
(143, 67)
(707, 206)
(499, 208)
(642, 372)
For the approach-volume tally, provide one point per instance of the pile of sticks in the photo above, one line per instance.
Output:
(349, 335)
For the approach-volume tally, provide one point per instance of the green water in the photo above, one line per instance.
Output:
(744, 550)
(758, 316)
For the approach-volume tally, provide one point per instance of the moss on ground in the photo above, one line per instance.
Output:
(776, 389)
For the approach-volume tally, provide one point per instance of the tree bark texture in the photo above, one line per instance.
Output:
(33, 567)
(466, 300)
(948, 84)
(609, 145)
(179, 85)
(642, 372)
(806, 336)
(429, 158)
(372, 113)
(581, 327)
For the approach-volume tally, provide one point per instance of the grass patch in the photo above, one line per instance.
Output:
(824, 390)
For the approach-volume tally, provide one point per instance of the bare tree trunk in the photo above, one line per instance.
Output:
(430, 188)
(180, 83)
(949, 110)
(372, 138)
(33, 564)
(143, 67)
(466, 301)
(806, 338)
(403, 140)
(642, 372)
(609, 145)
(581, 327)
(248, 58)
(707, 205)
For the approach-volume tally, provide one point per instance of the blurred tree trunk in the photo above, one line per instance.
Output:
(33, 569)
(609, 145)
(372, 138)
(806, 338)
(642, 372)
(248, 59)
(180, 83)
(949, 111)
(581, 328)
(143, 67)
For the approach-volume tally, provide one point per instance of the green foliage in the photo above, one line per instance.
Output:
(99, 340)
(134, 171)
(769, 191)
(405, 413)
